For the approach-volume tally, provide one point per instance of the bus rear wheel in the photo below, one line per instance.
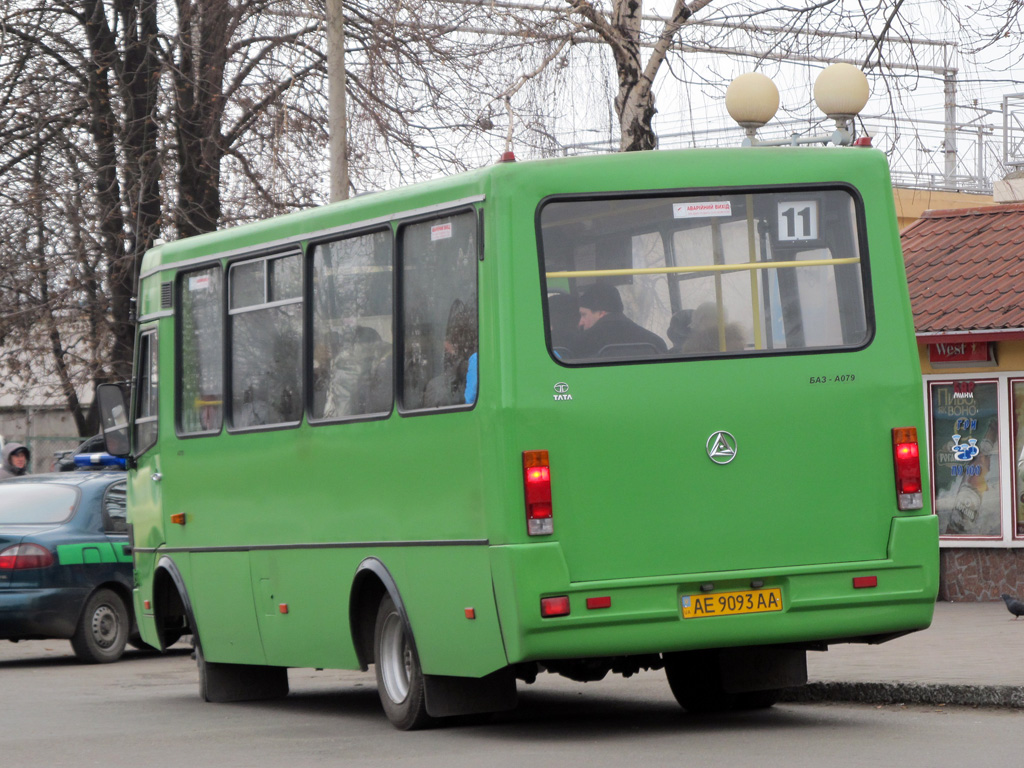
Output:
(696, 681)
(399, 676)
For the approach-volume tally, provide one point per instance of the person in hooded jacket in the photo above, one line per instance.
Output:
(15, 461)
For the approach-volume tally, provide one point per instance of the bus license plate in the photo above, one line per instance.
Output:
(732, 603)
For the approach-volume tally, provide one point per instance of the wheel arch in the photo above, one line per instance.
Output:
(371, 582)
(171, 601)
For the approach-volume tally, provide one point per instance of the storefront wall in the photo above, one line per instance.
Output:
(975, 424)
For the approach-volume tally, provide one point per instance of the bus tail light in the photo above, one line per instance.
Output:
(23, 556)
(537, 485)
(551, 607)
(907, 461)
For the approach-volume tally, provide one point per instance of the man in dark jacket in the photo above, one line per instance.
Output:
(603, 323)
(15, 461)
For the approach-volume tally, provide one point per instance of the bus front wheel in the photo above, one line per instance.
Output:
(399, 676)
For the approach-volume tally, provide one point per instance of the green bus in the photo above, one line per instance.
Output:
(585, 415)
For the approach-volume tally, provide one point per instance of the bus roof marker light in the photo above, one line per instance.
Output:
(537, 492)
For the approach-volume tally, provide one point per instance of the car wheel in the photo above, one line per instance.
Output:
(397, 666)
(102, 631)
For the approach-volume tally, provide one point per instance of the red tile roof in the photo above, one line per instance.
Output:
(966, 269)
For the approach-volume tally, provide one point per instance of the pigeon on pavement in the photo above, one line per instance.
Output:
(1014, 606)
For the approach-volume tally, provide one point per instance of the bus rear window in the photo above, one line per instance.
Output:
(639, 278)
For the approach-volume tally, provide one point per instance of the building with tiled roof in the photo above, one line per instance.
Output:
(965, 269)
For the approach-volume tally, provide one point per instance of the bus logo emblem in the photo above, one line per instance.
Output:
(562, 390)
(721, 447)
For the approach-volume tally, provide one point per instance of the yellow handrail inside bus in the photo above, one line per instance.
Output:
(706, 268)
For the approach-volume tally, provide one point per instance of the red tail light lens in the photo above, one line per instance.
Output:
(23, 556)
(907, 462)
(554, 606)
(537, 490)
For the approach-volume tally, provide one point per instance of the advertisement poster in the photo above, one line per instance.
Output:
(965, 468)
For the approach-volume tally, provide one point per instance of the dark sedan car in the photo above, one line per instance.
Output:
(65, 563)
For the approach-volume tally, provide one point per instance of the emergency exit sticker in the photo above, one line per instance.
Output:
(199, 283)
(699, 209)
(441, 231)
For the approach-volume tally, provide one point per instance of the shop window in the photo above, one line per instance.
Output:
(1017, 461)
(965, 457)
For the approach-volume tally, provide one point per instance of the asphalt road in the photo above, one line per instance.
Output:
(145, 711)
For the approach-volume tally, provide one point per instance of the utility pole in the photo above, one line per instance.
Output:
(336, 100)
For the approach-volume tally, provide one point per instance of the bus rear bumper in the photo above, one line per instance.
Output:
(839, 602)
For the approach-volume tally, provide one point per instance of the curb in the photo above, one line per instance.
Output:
(1004, 696)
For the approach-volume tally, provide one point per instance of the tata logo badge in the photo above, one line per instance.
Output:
(562, 391)
(721, 447)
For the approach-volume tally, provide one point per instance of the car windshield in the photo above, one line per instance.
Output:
(35, 503)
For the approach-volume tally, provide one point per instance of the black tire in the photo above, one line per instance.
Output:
(397, 666)
(102, 631)
(696, 682)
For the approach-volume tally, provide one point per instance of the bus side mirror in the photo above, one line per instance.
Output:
(113, 419)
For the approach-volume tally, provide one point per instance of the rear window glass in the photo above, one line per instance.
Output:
(35, 503)
(640, 278)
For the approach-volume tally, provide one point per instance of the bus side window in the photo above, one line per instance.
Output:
(352, 320)
(201, 352)
(439, 313)
(266, 341)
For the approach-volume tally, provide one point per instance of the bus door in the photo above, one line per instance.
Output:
(145, 490)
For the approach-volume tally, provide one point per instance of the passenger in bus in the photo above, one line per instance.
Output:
(357, 351)
(457, 382)
(679, 330)
(710, 332)
(604, 326)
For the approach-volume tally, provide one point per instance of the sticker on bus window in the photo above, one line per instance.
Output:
(798, 220)
(199, 283)
(700, 209)
(441, 231)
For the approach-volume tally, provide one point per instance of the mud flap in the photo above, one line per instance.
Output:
(448, 696)
(762, 668)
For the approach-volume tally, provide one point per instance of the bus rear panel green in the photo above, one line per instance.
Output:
(615, 617)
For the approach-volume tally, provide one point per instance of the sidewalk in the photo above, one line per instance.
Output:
(973, 654)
